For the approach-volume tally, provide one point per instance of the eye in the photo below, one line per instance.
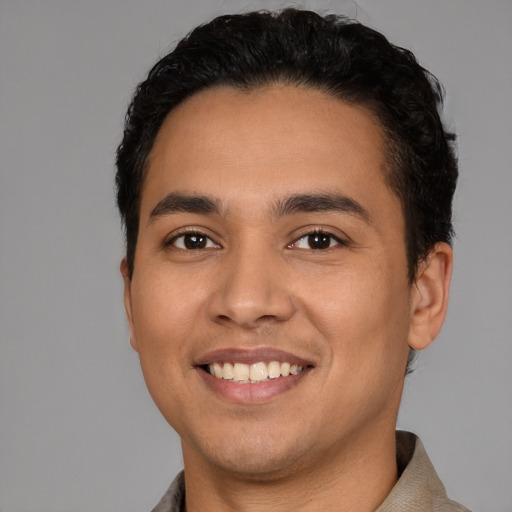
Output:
(193, 241)
(318, 240)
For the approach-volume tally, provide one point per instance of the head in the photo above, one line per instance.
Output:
(201, 146)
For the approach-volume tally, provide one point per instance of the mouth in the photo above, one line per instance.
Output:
(249, 376)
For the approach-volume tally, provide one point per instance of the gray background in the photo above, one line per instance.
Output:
(78, 429)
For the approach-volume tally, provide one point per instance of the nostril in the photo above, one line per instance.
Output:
(267, 317)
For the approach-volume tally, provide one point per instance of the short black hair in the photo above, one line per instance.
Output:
(331, 53)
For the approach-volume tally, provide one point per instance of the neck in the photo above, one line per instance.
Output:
(356, 476)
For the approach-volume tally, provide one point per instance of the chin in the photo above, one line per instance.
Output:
(252, 456)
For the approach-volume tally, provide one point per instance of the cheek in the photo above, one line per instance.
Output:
(163, 323)
(161, 300)
(163, 315)
(360, 309)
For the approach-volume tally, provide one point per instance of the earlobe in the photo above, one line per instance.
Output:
(430, 292)
(127, 298)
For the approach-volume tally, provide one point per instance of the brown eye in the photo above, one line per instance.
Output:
(317, 241)
(193, 241)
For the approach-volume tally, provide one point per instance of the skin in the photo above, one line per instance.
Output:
(347, 309)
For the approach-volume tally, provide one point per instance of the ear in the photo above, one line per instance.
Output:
(127, 298)
(430, 292)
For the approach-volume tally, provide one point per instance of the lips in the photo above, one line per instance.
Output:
(251, 356)
(251, 375)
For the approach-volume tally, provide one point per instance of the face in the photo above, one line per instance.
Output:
(271, 254)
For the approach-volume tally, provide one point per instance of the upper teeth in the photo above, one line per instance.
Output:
(257, 372)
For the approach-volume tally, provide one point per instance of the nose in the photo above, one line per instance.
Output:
(251, 291)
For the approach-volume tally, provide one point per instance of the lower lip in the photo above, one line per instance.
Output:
(251, 393)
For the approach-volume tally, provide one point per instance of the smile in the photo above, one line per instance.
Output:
(250, 376)
(241, 373)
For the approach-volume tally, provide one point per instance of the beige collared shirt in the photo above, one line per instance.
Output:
(418, 489)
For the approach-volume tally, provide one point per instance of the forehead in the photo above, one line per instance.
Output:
(266, 143)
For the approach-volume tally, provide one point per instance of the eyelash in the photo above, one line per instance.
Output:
(191, 233)
(332, 237)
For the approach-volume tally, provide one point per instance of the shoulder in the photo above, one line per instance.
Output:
(418, 488)
(174, 498)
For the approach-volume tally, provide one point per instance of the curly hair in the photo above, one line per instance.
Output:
(334, 54)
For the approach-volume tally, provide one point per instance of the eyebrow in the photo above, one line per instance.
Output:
(176, 202)
(298, 203)
(322, 202)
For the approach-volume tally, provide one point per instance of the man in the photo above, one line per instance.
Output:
(286, 184)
